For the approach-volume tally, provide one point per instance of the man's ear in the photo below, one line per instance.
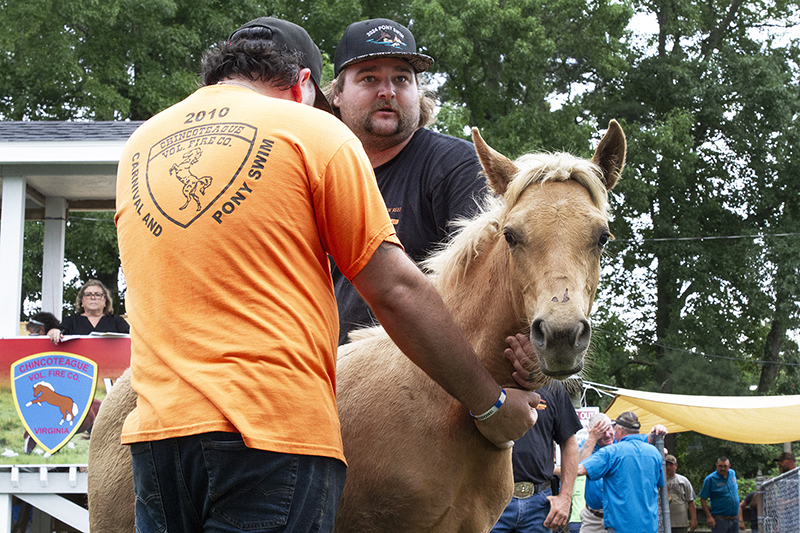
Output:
(303, 92)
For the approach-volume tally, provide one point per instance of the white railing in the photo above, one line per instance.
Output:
(42, 487)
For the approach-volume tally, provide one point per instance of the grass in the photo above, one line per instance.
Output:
(12, 430)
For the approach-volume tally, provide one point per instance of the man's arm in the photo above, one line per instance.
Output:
(560, 505)
(415, 317)
(741, 514)
(658, 429)
(692, 516)
(709, 519)
(595, 433)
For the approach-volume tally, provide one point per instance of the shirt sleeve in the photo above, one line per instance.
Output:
(705, 492)
(567, 422)
(351, 215)
(456, 195)
(121, 324)
(596, 465)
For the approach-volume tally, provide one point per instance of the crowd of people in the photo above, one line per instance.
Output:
(361, 161)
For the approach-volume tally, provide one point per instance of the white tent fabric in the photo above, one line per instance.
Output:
(748, 419)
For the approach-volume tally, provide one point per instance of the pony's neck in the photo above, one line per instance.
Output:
(482, 304)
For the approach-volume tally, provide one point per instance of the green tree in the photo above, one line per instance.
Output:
(709, 107)
(507, 61)
(90, 246)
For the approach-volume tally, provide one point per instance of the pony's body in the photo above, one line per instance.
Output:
(529, 263)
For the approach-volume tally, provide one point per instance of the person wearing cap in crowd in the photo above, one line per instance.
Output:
(534, 507)
(632, 471)
(681, 494)
(601, 434)
(427, 179)
(229, 204)
(721, 488)
(786, 462)
(41, 323)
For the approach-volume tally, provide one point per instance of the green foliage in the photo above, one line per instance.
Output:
(90, 246)
(707, 113)
(505, 62)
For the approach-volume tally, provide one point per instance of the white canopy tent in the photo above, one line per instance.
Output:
(748, 419)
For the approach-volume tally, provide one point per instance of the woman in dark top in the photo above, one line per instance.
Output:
(94, 313)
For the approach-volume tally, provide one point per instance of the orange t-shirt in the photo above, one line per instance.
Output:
(228, 205)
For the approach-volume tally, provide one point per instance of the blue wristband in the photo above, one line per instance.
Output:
(492, 410)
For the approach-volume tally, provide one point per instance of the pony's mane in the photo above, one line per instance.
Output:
(451, 260)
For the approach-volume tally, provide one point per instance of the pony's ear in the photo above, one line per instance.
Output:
(499, 169)
(610, 154)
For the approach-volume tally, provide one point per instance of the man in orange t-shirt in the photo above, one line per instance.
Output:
(229, 204)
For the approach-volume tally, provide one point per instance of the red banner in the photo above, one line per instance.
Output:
(112, 354)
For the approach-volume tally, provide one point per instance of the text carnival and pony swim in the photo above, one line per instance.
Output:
(180, 173)
(53, 393)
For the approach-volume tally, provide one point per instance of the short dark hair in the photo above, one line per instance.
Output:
(252, 58)
(44, 319)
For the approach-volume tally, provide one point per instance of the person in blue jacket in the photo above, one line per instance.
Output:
(632, 472)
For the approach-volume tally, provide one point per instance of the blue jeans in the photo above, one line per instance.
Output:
(213, 483)
(725, 526)
(525, 516)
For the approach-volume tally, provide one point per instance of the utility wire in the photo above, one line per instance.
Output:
(706, 238)
(696, 352)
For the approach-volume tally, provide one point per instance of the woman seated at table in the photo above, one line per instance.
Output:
(94, 312)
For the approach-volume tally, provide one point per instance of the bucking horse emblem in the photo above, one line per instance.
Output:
(191, 183)
(44, 392)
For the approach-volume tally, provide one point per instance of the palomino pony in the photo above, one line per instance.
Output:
(530, 262)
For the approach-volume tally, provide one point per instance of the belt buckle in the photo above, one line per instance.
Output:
(523, 490)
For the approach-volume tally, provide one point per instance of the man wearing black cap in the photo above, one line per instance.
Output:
(426, 179)
(632, 472)
(229, 204)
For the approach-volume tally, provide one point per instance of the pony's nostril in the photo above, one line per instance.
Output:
(538, 333)
(583, 334)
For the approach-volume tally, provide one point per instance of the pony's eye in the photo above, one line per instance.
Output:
(510, 239)
(604, 238)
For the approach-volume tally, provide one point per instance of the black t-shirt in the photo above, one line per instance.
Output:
(751, 506)
(431, 182)
(80, 325)
(532, 455)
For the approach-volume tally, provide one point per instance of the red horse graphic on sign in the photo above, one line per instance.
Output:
(44, 392)
(191, 183)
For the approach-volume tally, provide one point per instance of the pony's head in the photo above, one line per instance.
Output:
(531, 259)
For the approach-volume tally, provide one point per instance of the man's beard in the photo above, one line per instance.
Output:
(381, 140)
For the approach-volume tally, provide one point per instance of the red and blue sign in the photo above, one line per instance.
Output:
(53, 392)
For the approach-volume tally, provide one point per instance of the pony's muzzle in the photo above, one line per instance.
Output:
(560, 347)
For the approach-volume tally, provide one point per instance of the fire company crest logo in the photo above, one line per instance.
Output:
(182, 178)
(53, 392)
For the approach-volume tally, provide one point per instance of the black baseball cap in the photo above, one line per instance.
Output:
(294, 38)
(374, 38)
(628, 420)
